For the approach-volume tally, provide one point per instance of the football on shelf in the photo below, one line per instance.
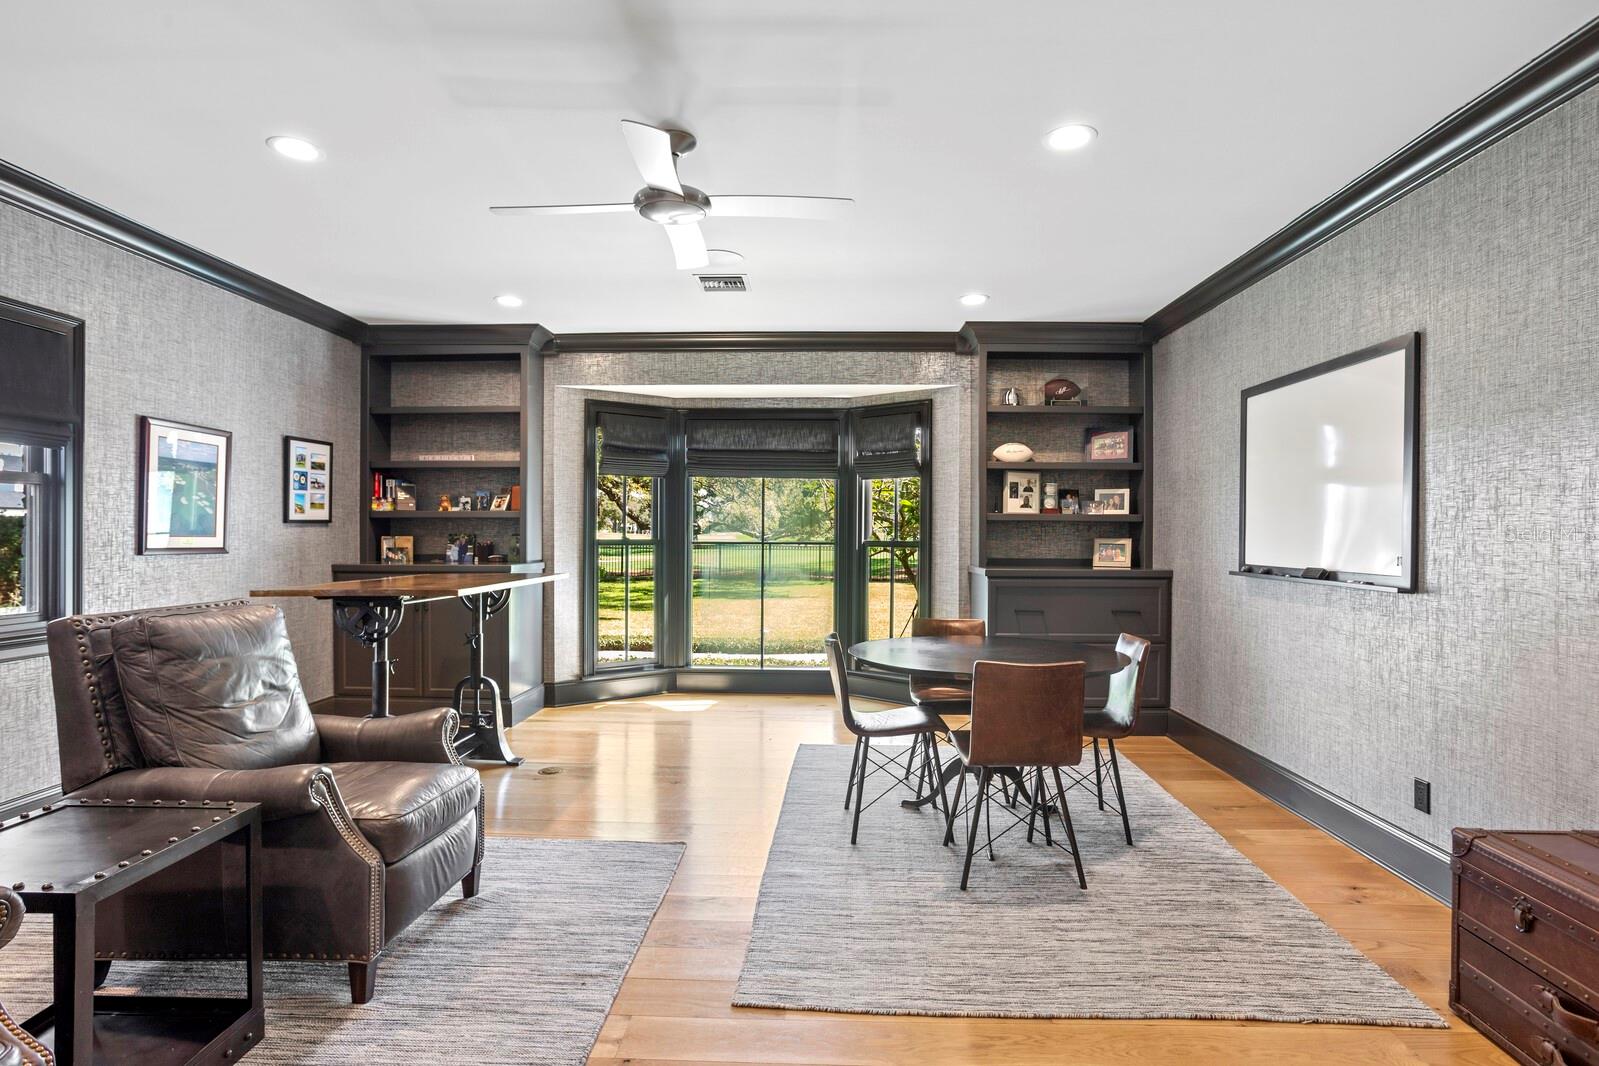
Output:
(1013, 453)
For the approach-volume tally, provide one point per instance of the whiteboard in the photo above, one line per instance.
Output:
(1326, 479)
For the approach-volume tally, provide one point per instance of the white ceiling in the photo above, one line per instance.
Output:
(1220, 121)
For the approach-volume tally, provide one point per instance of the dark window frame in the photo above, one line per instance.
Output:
(674, 530)
(58, 446)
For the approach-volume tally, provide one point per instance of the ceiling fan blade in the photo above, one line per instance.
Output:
(823, 207)
(560, 209)
(652, 154)
(688, 246)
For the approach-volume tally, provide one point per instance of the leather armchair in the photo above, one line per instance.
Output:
(17, 1045)
(366, 822)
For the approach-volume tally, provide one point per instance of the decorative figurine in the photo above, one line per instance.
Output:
(1059, 391)
(1011, 399)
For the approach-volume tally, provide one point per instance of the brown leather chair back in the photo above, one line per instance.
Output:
(1127, 684)
(1026, 714)
(838, 671)
(93, 733)
(948, 627)
(17, 1045)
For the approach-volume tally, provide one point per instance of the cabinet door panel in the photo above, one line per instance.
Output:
(353, 662)
(447, 656)
(1079, 609)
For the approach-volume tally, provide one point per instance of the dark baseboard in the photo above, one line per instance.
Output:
(29, 801)
(1408, 856)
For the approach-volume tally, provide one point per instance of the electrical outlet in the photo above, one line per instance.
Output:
(1423, 798)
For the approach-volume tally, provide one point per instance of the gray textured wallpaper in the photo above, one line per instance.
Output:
(944, 377)
(162, 343)
(1484, 683)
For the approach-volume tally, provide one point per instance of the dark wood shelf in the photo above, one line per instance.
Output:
(446, 409)
(445, 464)
(443, 514)
(1063, 409)
(1033, 465)
(1065, 517)
(1063, 568)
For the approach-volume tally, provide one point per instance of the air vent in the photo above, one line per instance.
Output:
(722, 282)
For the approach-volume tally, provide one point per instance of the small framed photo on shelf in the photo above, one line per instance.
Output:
(1070, 502)
(1113, 501)
(1021, 494)
(1109, 446)
(397, 551)
(1113, 553)
(307, 480)
(181, 490)
(501, 502)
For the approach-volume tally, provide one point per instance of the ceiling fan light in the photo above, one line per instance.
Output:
(296, 148)
(974, 299)
(508, 299)
(725, 257)
(1071, 137)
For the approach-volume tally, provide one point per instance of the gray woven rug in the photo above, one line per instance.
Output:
(1178, 926)
(525, 972)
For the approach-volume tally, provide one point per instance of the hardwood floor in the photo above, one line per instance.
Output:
(710, 770)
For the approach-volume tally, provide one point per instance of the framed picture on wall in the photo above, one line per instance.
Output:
(182, 488)
(307, 480)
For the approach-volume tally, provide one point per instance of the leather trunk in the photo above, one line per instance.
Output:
(1526, 942)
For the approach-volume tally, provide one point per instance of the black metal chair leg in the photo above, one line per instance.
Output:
(988, 826)
(937, 770)
(1121, 797)
(979, 801)
(1043, 803)
(1099, 776)
(952, 808)
(1071, 834)
(853, 763)
(1032, 815)
(860, 786)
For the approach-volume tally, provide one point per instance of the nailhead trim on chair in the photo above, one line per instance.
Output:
(326, 793)
(18, 1032)
(452, 726)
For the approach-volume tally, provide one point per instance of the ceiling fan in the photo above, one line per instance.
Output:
(680, 208)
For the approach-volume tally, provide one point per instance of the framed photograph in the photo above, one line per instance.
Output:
(1109, 446)
(501, 502)
(182, 488)
(399, 551)
(1070, 502)
(307, 480)
(1113, 501)
(1021, 493)
(1113, 553)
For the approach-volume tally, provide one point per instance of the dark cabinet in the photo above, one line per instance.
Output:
(431, 655)
(1093, 607)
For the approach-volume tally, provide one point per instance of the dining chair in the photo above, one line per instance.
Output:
(918, 723)
(1118, 718)
(931, 690)
(1026, 717)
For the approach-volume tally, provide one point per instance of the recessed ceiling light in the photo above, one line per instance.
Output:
(975, 299)
(1070, 138)
(295, 148)
(509, 299)
(724, 257)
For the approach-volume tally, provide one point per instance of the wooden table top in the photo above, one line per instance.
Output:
(952, 658)
(408, 588)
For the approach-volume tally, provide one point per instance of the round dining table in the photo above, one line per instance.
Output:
(951, 658)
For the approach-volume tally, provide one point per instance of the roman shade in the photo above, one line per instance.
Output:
(888, 444)
(37, 377)
(633, 443)
(755, 447)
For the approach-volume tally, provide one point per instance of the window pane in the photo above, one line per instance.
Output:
(891, 596)
(640, 517)
(800, 514)
(17, 595)
(608, 499)
(910, 509)
(610, 590)
(880, 498)
(727, 571)
(640, 559)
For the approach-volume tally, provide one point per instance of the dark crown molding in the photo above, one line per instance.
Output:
(1556, 76)
(1056, 336)
(764, 342)
(495, 334)
(32, 193)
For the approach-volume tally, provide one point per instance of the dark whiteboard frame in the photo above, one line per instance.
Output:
(1406, 580)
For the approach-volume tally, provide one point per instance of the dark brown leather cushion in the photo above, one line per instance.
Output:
(217, 689)
(399, 806)
(929, 690)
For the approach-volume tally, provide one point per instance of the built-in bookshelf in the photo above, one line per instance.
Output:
(452, 413)
(1110, 364)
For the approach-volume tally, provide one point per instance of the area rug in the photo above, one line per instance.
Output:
(1181, 925)
(525, 972)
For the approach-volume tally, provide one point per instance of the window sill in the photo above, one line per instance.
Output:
(23, 646)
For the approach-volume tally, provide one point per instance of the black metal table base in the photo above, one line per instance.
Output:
(488, 724)
(373, 622)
